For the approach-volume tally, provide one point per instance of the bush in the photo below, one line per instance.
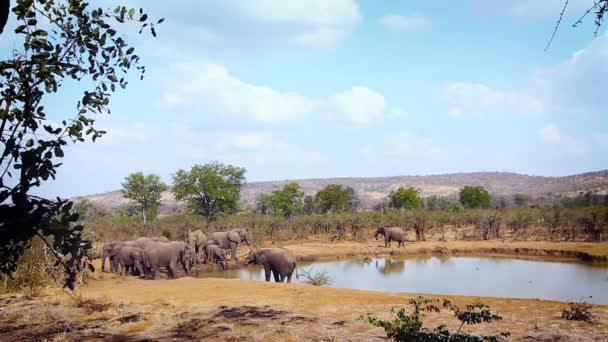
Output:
(409, 327)
(34, 272)
(317, 279)
(578, 311)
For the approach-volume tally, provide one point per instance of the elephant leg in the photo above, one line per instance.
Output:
(289, 278)
(186, 268)
(156, 272)
(233, 247)
(267, 272)
(386, 241)
(139, 268)
(173, 269)
(277, 276)
(103, 263)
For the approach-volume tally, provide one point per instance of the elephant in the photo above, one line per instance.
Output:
(281, 262)
(231, 239)
(130, 257)
(197, 239)
(208, 243)
(155, 239)
(217, 254)
(142, 243)
(391, 234)
(105, 253)
(167, 254)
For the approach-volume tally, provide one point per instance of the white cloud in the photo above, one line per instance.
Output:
(255, 25)
(359, 105)
(211, 87)
(551, 135)
(404, 23)
(473, 99)
(208, 88)
(403, 145)
(574, 87)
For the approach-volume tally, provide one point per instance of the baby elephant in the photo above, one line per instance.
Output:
(130, 257)
(217, 255)
(281, 262)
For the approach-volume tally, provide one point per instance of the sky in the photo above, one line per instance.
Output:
(350, 88)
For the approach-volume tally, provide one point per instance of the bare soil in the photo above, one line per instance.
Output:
(130, 309)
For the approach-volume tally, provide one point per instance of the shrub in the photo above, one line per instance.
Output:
(317, 279)
(409, 327)
(578, 311)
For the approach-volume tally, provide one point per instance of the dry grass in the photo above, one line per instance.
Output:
(220, 309)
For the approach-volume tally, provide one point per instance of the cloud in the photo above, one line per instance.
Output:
(258, 25)
(402, 145)
(551, 135)
(473, 99)
(573, 87)
(359, 105)
(211, 87)
(404, 23)
(205, 87)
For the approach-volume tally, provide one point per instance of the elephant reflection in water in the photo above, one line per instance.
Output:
(391, 266)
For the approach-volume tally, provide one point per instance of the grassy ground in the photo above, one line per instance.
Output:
(112, 308)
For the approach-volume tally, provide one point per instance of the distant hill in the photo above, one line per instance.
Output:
(371, 190)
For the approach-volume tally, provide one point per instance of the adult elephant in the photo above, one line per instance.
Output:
(278, 261)
(130, 257)
(216, 254)
(197, 239)
(169, 255)
(106, 251)
(231, 239)
(142, 243)
(391, 234)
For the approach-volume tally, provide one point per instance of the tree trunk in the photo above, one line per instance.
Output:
(143, 213)
(4, 12)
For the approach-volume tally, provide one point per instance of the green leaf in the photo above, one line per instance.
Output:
(58, 152)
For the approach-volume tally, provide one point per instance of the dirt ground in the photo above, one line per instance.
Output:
(131, 309)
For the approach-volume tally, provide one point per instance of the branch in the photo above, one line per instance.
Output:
(559, 21)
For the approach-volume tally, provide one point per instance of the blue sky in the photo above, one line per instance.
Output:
(340, 88)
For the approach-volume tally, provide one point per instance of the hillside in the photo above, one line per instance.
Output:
(371, 190)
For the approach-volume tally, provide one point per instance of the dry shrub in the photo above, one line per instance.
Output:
(578, 311)
(35, 270)
(316, 279)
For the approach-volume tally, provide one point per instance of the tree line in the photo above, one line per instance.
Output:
(213, 190)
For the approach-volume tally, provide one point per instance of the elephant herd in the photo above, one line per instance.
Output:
(147, 256)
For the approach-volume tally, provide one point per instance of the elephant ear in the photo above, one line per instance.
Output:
(234, 236)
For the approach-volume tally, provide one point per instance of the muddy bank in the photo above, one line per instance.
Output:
(583, 251)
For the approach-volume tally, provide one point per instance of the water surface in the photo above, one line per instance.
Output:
(473, 276)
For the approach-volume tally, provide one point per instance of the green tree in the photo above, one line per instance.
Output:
(405, 198)
(262, 203)
(210, 190)
(56, 40)
(475, 197)
(288, 200)
(309, 205)
(146, 191)
(520, 200)
(333, 197)
(436, 203)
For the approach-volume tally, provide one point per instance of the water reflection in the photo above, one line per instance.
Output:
(390, 265)
(500, 277)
